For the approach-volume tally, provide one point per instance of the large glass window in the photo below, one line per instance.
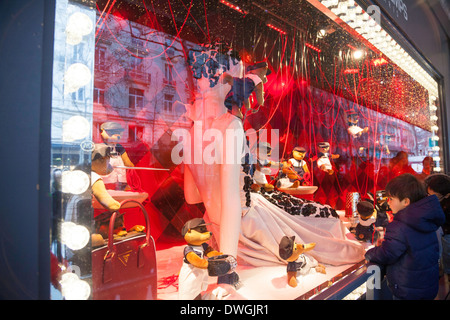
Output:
(124, 68)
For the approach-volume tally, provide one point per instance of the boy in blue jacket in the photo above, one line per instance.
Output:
(410, 250)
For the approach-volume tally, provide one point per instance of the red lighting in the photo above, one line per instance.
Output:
(246, 56)
(276, 28)
(312, 47)
(234, 7)
(351, 71)
(379, 62)
(281, 83)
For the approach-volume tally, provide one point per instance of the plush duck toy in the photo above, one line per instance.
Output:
(111, 133)
(382, 144)
(353, 129)
(193, 278)
(297, 169)
(262, 167)
(323, 157)
(365, 230)
(100, 166)
(298, 262)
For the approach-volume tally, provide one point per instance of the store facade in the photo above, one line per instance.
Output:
(358, 77)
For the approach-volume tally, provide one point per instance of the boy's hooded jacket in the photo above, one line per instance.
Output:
(410, 250)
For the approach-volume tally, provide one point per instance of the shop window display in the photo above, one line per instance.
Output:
(164, 71)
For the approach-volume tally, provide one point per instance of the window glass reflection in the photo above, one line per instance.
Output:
(123, 66)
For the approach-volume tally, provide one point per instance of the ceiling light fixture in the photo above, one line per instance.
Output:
(359, 20)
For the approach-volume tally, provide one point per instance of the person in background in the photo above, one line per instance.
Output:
(401, 165)
(410, 250)
(439, 184)
(427, 164)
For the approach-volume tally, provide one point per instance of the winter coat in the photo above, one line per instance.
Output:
(410, 250)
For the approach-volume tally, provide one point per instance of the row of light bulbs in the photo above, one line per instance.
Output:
(352, 14)
(72, 235)
(370, 29)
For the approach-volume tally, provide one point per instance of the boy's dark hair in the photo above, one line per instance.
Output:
(406, 186)
(438, 182)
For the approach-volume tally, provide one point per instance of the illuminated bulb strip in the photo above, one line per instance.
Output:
(234, 7)
(276, 28)
(353, 15)
(312, 47)
(351, 71)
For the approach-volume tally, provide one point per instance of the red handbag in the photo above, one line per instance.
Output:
(125, 268)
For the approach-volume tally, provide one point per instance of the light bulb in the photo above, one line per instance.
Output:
(72, 288)
(74, 236)
(75, 128)
(78, 25)
(76, 76)
(322, 33)
(358, 54)
(75, 182)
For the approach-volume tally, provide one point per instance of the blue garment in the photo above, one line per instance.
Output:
(295, 266)
(211, 60)
(366, 233)
(410, 250)
(241, 90)
(201, 251)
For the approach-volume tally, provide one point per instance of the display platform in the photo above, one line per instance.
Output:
(258, 283)
(299, 190)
